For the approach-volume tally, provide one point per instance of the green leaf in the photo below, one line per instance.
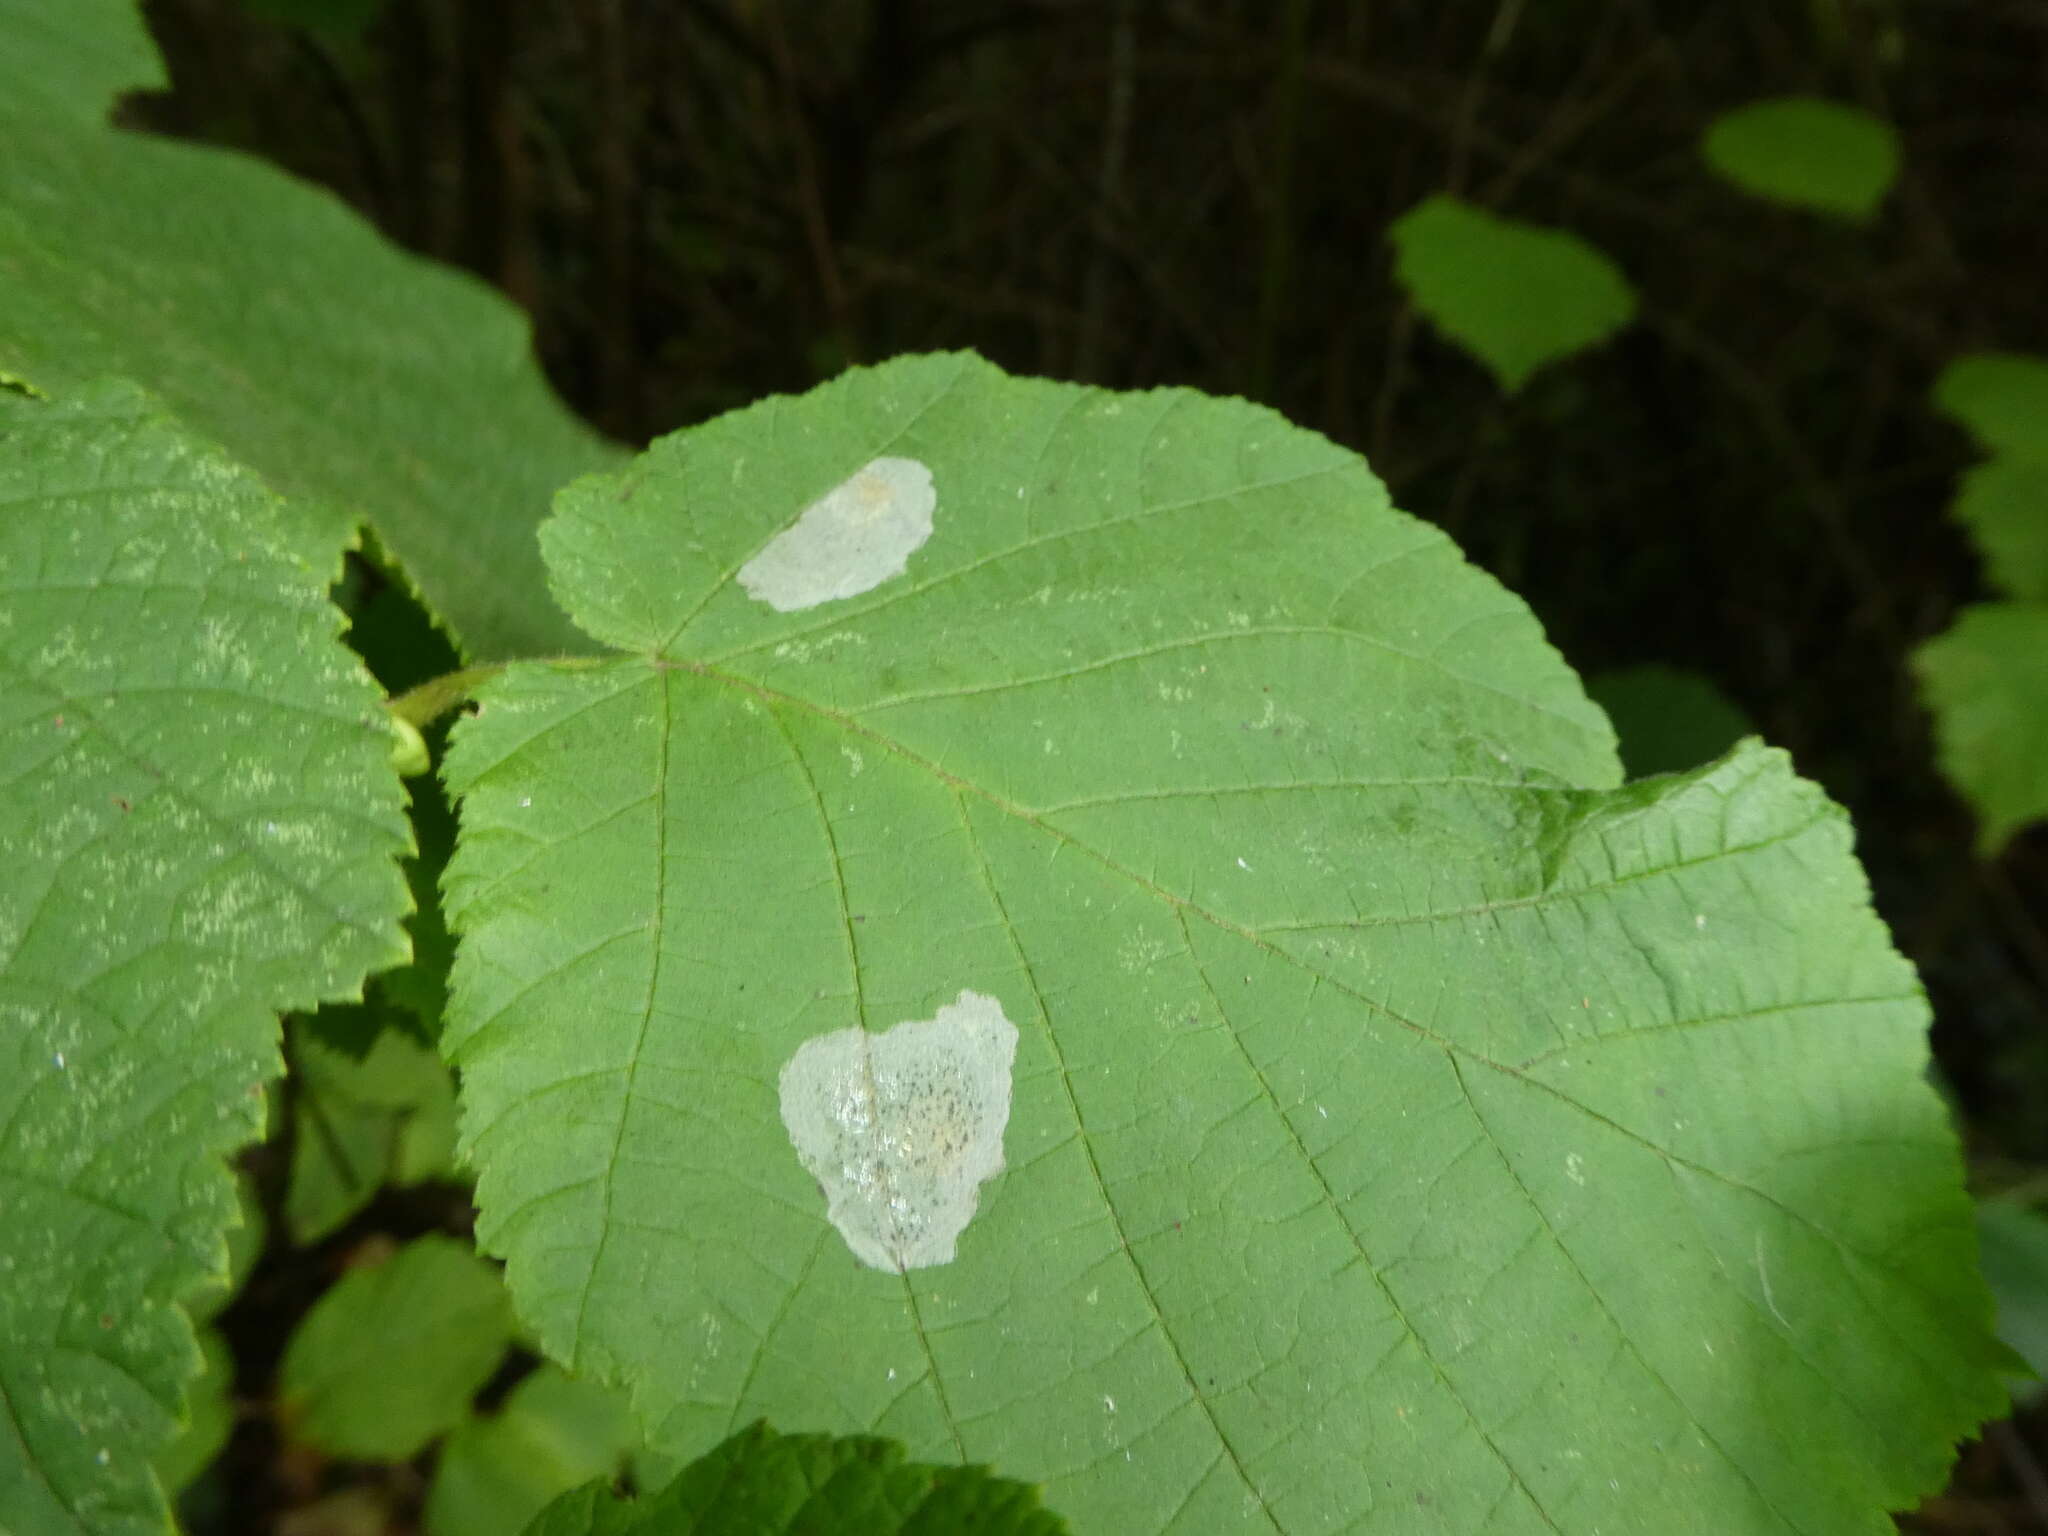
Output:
(554, 1432)
(1668, 719)
(199, 826)
(388, 1117)
(390, 1355)
(271, 318)
(1986, 682)
(245, 1234)
(209, 1417)
(2014, 1242)
(2004, 504)
(1515, 295)
(1806, 152)
(759, 1483)
(72, 60)
(1405, 1128)
(2002, 397)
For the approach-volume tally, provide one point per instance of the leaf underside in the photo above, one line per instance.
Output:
(198, 828)
(1411, 1130)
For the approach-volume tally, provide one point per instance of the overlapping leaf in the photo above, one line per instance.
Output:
(1409, 1131)
(760, 1483)
(270, 317)
(198, 827)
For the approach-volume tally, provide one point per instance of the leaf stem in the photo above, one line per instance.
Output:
(423, 705)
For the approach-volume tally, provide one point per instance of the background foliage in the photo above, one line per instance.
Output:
(702, 202)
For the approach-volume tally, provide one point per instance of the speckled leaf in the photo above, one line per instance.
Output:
(1807, 152)
(273, 319)
(1515, 295)
(199, 826)
(1986, 681)
(760, 1483)
(1406, 1129)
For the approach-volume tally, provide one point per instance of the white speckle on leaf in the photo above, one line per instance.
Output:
(525, 801)
(901, 1127)
(1699, 919)
(1243, 866)
(850, 540)
(1764, 1277)
(1108, 1403)
(59, 1060)
(1575, 1168)
(854, 761)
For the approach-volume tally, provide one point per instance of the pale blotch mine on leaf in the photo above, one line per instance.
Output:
(849, 541)
(901, 1127)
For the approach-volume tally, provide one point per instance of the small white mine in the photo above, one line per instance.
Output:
(901, 1127)
(849, 541)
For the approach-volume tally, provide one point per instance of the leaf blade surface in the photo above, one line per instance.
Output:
(1341, 971)
(200, 828)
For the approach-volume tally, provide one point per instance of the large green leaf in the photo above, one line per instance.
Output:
(1404, 1128)
(1515, 295)
(760, 1483)
(199, 826)
(1808, 152)
(273, 319)
(1986, 682)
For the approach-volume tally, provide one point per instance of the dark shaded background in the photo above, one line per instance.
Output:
(701, 201)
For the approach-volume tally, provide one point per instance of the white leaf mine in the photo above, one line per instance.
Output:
(856, 536)
(901, 1127)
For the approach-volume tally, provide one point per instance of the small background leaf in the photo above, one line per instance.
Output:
(498, 1471)
(1986, 680)
(2004, 504)
(1806, 152)
(1515, 295)
(1666, 718)
(392, 1353)
(760, 1483)
(2013, 1239)
(2002, 397)
(359, 1124)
